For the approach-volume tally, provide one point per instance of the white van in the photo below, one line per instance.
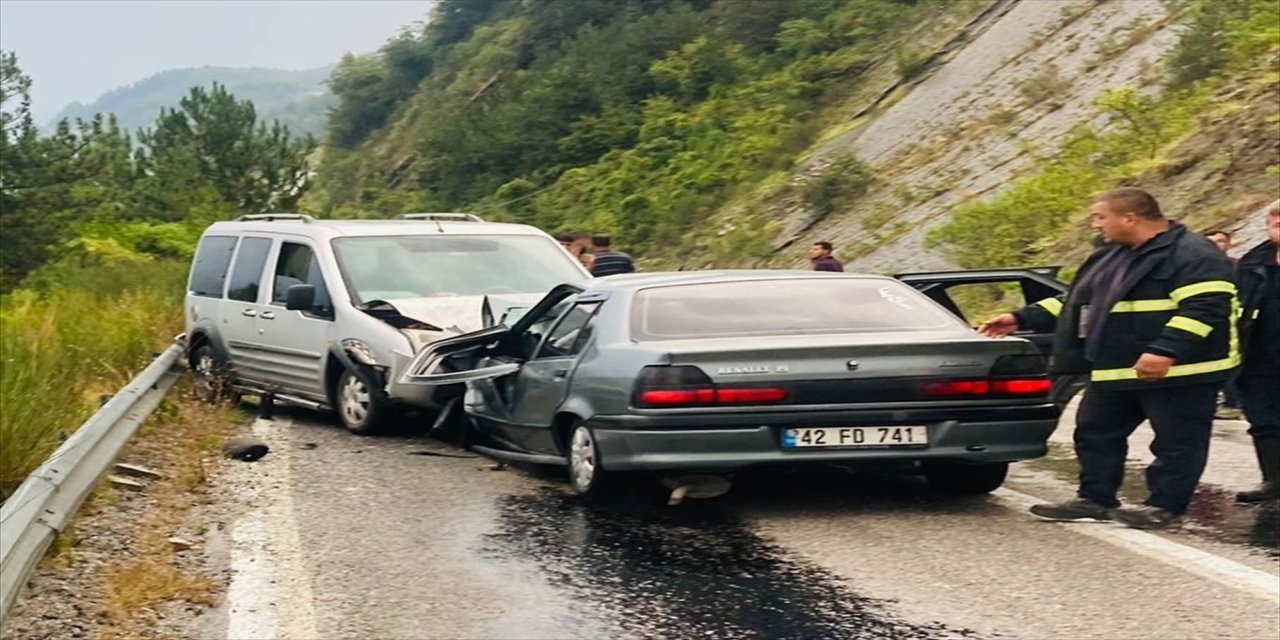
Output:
(323, 313)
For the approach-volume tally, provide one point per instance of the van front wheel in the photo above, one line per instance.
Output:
(358, 403)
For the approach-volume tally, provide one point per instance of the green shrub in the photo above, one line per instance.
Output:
(911, 61)
(843, 180)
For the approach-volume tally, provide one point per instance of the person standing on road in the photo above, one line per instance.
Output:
(1258, 277)
(609, 262)
(576, 243)
(1148, 316)
(1230, 409)
(820, 256)
(1223, 240)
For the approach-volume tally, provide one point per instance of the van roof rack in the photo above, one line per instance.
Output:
(271, 217)
(457, 217)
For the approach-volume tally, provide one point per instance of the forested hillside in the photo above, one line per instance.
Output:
(718, 132)
(298, 99)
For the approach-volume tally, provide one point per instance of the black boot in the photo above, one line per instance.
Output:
(1269, 461)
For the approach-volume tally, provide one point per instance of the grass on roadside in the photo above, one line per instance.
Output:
(183, 441)
(74, 336)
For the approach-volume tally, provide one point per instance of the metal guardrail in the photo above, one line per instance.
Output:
(34, 515)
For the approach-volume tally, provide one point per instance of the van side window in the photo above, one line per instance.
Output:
(209, 271)
(298, 265)
(246, 275)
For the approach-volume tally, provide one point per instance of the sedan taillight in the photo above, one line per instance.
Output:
(688, 386)
(988, 388)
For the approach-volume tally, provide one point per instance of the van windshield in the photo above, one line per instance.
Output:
(390, 267)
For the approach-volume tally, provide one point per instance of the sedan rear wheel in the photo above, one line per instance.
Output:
(965, 479)
(586, 475)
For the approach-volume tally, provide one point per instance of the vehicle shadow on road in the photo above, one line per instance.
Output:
(845, 491)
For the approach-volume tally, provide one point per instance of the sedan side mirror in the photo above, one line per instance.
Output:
(300, 297)
(512, 314)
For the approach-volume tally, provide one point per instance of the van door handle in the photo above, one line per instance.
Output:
(268, 315)
(248, 312)
(559, 373)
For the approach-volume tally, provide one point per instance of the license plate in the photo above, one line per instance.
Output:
(848, 437)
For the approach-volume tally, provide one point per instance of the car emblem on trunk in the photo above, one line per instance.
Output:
(852, 365)
(737, 371)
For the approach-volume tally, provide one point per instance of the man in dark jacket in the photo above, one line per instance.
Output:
(1258, 277)
(820, 254)
(1148, 317)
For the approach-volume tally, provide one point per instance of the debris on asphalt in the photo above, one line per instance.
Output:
(245, 448)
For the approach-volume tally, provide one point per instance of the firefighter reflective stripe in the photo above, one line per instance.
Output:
(1209, 286)
(1190, 325)
(1052, 305)
(1177, 370)
(1132, 306)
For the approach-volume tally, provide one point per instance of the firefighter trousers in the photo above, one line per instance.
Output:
(1182, 418)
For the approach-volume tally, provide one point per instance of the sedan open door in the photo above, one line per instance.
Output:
(459, 359)
(978, 294)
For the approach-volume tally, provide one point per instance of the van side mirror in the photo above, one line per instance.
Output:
(300, 297)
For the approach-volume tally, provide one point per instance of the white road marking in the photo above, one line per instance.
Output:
(1216, 568)
(269, 596)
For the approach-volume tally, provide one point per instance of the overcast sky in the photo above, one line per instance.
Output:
(78, 50)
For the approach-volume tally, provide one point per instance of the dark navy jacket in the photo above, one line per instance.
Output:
(1176, 300)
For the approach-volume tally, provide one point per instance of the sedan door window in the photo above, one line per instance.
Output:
(540, 326)
(571, 333)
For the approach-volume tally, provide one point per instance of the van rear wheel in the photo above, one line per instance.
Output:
(211, 372)
(359, 404)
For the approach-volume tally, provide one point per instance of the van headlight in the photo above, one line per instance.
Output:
(359, 352)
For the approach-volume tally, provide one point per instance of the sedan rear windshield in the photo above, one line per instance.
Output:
(783, 307)
(390, 267)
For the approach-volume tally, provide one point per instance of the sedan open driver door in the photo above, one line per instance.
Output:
(978, 294)
(484, 355)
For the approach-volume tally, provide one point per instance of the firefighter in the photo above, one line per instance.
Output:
(1149, 318)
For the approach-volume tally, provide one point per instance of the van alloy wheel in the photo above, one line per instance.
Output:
(360, 403)
(354, 401)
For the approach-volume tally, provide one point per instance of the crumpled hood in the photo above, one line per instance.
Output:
(454, 314)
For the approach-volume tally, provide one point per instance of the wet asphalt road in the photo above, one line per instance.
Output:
(407, 537)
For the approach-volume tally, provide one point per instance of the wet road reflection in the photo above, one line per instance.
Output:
(684, 573)
(1214, 514)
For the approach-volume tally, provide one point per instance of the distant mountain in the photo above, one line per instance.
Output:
(299, 99)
